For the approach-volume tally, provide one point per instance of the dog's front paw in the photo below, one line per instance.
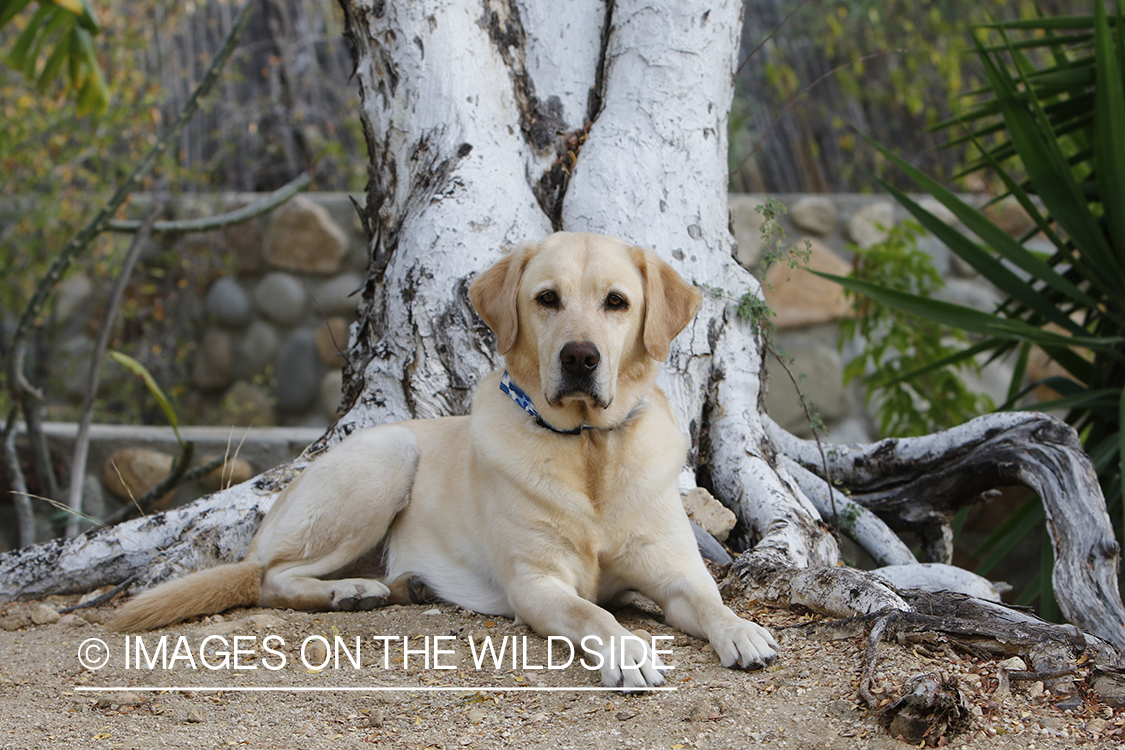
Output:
(629, 662)
(744, 644)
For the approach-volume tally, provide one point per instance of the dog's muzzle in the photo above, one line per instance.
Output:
(578, 363)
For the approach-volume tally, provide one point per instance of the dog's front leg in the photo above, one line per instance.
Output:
(692, 603)
(551, 606)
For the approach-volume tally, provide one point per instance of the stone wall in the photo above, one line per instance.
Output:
(283, 311)
(248, 325)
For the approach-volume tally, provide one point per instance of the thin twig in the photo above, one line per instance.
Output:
(816, 433)
(225, 480)
(1024, 676)
(207, 468)
(103, 598)
(37, 441)
(871, 659)
(25, 516)
(93, 380)
(264, 205)
(771, 35)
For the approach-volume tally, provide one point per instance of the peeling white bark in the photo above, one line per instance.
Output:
(935, 577)
(863, 526)
(450, 189)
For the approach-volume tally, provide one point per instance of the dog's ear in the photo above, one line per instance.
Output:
(494, 293)
(670, 303)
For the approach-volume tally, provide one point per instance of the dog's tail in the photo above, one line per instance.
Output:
(205, 592)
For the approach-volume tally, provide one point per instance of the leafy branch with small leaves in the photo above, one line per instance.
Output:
(896, 349)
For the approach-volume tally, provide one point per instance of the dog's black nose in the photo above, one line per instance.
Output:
(580, 358)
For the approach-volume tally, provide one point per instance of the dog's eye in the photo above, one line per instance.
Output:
(615, 301)
(548, 298)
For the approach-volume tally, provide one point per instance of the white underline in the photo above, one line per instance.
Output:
(438, 689)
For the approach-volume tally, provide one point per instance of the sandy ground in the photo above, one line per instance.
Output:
(806, 699)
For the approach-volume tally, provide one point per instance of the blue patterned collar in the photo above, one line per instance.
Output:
(524, 402)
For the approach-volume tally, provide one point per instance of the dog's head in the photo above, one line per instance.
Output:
(583, 321)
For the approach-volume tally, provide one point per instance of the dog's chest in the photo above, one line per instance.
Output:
(606, 473)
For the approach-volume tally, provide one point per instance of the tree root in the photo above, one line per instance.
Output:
(932, 707)
(918, 484)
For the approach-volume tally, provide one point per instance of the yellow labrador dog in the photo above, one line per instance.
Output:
(557, 495)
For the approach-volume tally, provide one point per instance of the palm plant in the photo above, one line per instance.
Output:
(1051, 126)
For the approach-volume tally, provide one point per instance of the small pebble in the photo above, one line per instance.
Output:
(194, 716)
(93, 617)
(315, 652)
(1070, 703)
(119, 699)
(843, 709)
(14, 622)
(703, 711)
(972, 681)
(264, 621)
(476, 715)
(91, 595)
(71, 620)
(624, 715)
(1015, 664)
(1097, 726)
(42, 614)
(376, 719)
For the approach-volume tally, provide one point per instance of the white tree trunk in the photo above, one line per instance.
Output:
(466, 109)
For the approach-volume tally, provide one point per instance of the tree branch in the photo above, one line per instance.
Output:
(919, 483)
(93, 380)
(257, 208)
(25, 517)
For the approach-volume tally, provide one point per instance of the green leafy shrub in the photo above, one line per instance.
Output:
(895, 343)
(57, 36)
